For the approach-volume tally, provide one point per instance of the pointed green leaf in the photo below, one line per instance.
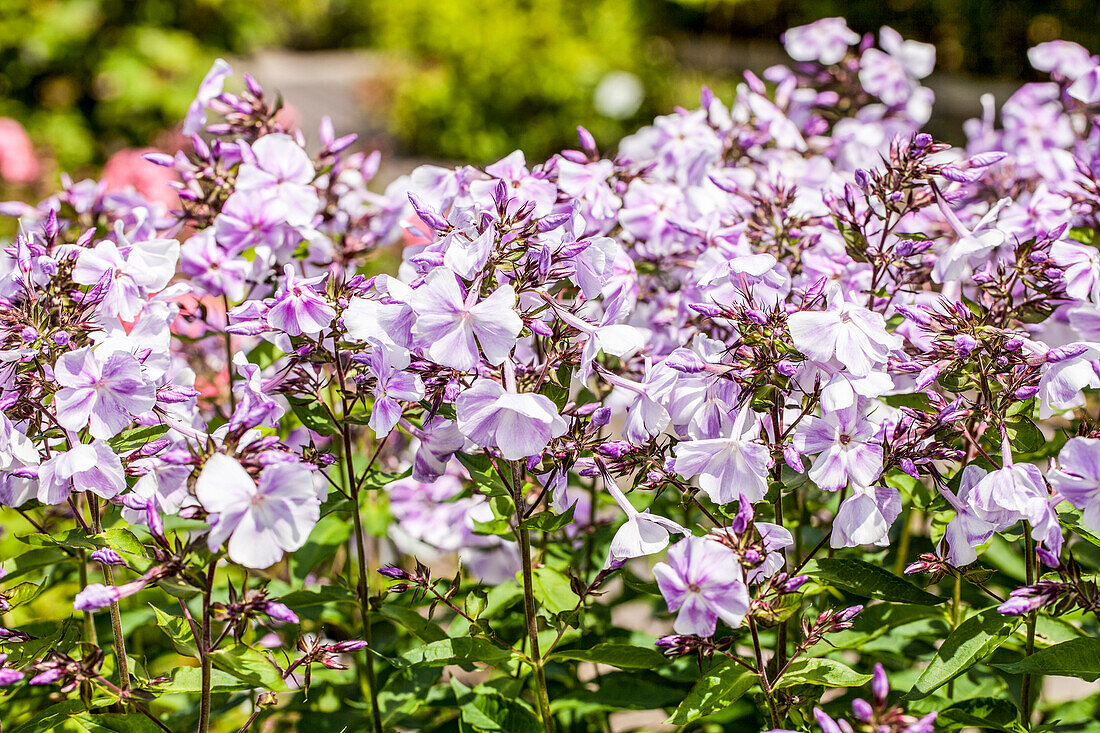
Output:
(862, 578)
(973, 640)
(716, 690)
(1073, 658)
(623, 656)
(823, 673)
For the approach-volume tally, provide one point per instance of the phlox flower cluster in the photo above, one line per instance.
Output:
(750, 339)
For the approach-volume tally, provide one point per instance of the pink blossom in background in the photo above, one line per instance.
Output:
(18, 163)
(128, 168)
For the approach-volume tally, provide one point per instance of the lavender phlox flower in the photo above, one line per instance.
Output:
(918, 59)
(855, 336)
(452, 326)
(642, 534)
(729, 465)
(1077, 478)
(249, 218)
(282, 169)
(848, 443)
(520, 185)
(467, 251)
(440, 439)
(1080, 265)
(210, 88)
(968, 529)
(128, 272)
(615, 339)
(389, 318)
(1063, 59)
(1086, 89)
(865, 517)
(260, 521)
(702, 582)
(298, 308)
(1061, 381)
(104, 395)
(90, 467)
(969, 244)
(518, 424)
(392, 385)
(825, 41)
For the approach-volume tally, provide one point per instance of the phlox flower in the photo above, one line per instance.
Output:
(853, 335)
(865, 517)
(640, 535)
(104, 395)
(136, 269)
(729, 465)
(260, 521)
(967, 530)
(451, 326)
(825, 41)
(1077, 478)
(521, 185)
(389, 319)
(702, 582)
(298, 308)
(90, 467)
(519, 425)
(848, 445)
(391, 387)
(282, 170)
(210, 87)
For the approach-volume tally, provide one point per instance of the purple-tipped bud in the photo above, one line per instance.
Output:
(1047, 557)
(1013, 344)
(786, 368)
(1026, 393)
(107, 556)
(280, 612)
(574, 156)
(862, 710)
(161, 159)
(848, 614)
(451, 391)
(922, 140)
(48, 677)
(429, 217)
(50, 227)
(907, 465)
(394, 573)
(927, 376)
(880, 686)
(1063, 353)
(965, 344)
(588, 142)
(252, 85)
(342, 143)
(793, 458)
(926, 724)
(351, 645)
(10, 676)
(95, 597)
(686, 361)
(752, 557)
(551, 222)
(614, 449)
(827, 724)
(1018, 605)
(601, 417)
(539, 328)
(861, 177)
(173, 393)
(708, 310)
(792, 585)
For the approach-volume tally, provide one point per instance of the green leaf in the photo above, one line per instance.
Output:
(1085, 235)
(862, 578)
(491, 711)
(823, 673)
(328, 594)
(623, 656)
(454, 651)
(973, 640)
(314, 415)
(178, 630)
(1073, 658)
(131, 440)
(189, 680)
(485, 477)
(113, 723)
(720, 687)
(553, 590)
(549, 521)
(420, 627)
(1024, 434)
(250, 666)
(979, 712)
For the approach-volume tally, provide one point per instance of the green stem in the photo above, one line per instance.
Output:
(363, 589)
(1029, 681)
(229, 358)
(524, 537)
(121, 662)
(765, 686)
(204, 651)
(956, 607)
(903, 541)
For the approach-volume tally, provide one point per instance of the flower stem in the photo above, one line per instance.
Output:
(121, 662)
(1029, 649)
(524, 536)
(204, 651)
(762, 670)
(363, 590)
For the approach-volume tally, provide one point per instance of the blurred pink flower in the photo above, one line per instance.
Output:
(18, 163)
(129, 169)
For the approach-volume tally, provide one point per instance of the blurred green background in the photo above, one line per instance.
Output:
(471, 79)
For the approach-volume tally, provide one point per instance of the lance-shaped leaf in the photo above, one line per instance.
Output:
(973, 640)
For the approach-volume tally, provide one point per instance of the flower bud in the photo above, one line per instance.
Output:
(107, 556)
(279, 612)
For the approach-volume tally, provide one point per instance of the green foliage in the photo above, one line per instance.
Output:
(492, 76)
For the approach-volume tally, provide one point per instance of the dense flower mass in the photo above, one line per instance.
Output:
(728, 382)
